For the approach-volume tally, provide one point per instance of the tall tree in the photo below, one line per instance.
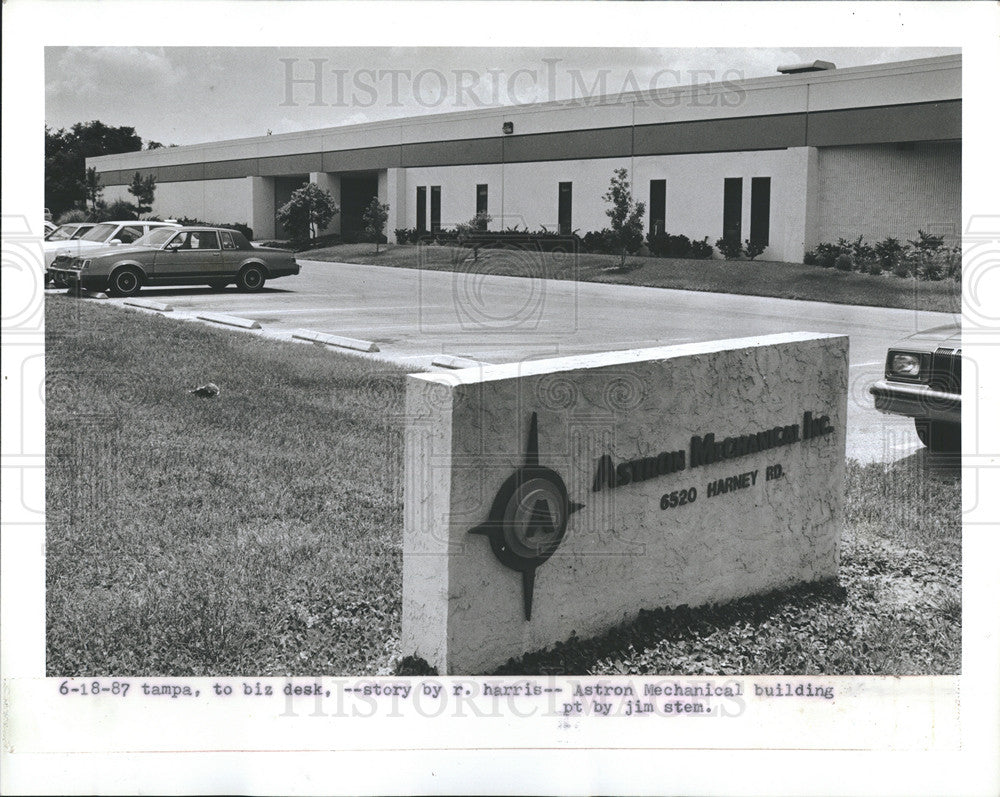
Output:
(309, 210)
(144, 190)
(93, 187)
(66, 152)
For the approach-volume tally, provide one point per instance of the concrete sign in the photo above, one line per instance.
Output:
(562, 496)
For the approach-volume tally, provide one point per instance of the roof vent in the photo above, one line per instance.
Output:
(811, 66)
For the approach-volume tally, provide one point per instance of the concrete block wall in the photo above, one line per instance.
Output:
(889, 189)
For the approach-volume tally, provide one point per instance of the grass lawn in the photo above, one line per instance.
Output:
(750, 278)
(259, 533)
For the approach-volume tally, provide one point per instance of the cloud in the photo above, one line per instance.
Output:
(103, 72)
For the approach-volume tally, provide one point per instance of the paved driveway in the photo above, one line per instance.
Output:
(415, 316)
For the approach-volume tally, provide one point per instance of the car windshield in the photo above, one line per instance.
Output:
(63, 233)
(156, 237)
(100, 233)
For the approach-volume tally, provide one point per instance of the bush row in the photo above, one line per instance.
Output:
(595, 242)
(926, 258)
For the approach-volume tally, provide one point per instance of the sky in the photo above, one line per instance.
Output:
(190, 95)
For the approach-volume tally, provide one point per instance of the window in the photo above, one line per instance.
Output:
(205, 239)
(732, 209)
(657, 206)
(421, 208)
(482, 199)
(196, 239)
(565, 208)
(227, 241)
(760, 210)
(435, 208)
(129, 234)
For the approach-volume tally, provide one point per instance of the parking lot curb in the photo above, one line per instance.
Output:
(229, 320)
(146, 304)
(335, 340)
(448, 361)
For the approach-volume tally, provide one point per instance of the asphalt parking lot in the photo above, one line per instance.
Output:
(415, 316)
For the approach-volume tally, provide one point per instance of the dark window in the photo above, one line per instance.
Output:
(227, 240)
(482, 199)
(435, 208)
(421, 208)
(128, 234)
(732, 210)
(760, 210)
(657, 206)
(565, 208)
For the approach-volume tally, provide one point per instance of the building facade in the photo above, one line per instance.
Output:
(789, 160)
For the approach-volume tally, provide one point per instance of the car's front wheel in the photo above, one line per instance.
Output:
(251, 278)
(939, 436)
(125, 282)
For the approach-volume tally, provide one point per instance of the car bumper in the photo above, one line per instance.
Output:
(917, 401)
(78, 279)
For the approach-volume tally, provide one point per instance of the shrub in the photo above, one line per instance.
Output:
(731, 249)
(663, 244)
(402, 235)
(701, 250)
(190, 222)
(827, 254)
(119, 210)
(926, 242)
(810, 258)
(599, 243)
(73, 216)
(844, 262)
(888, 253)
(753, 249)
(905, 265)
(931, 265)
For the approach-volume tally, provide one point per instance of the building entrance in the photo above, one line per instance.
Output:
(356, 193)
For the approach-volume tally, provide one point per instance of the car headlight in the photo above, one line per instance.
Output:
(907, 365)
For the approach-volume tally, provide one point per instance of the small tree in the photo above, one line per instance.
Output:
(374, 218)
(93, 187)
(309, 210)
(143, 189)
(625, 214)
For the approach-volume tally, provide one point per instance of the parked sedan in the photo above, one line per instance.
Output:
(188, 256)
(103, 234)
(70, 232)
(923, 380)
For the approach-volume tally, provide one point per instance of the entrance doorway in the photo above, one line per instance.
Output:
(356, 193)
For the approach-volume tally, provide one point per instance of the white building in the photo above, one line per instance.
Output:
(791, 160)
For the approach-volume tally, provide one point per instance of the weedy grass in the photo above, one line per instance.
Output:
(259, 533)
(254, 533)
(743, 277)
(896, 608)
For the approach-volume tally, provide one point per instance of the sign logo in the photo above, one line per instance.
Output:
(527, 520)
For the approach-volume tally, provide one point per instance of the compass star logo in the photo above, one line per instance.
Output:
(527, 520)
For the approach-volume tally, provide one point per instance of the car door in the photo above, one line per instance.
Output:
(191, 256)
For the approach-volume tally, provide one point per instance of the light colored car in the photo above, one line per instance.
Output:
(210, 256)
(48, 228)
(70, 232)
(103, 234)
(923, 380)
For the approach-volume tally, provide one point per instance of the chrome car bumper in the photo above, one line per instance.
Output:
(917, 401)
(76, 278)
